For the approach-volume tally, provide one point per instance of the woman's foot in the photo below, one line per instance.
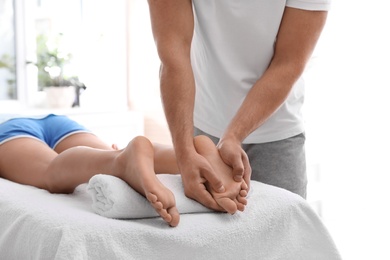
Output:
(135, 165)
(234, 197)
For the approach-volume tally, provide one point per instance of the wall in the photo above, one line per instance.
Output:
(144, 66)
(347, 110)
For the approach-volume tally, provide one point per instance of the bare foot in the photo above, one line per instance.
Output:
(234, 197)
(135, 165)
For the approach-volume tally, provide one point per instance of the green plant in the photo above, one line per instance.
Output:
(51, 63)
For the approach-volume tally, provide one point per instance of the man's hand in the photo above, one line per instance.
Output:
(233, 155)
(196, 171)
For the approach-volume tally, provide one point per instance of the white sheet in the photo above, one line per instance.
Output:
(276, 224)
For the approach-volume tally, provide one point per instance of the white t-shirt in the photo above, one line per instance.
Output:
(232, 47)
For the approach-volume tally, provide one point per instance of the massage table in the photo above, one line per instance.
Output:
(276, 224)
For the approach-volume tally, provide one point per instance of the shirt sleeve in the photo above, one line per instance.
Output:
(312, 5)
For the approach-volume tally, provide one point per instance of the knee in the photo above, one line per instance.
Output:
(56, 189)
(52, 185)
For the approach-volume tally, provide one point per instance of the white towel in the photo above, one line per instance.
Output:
(114, 198)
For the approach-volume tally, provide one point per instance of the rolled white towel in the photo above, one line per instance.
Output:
(114, 198)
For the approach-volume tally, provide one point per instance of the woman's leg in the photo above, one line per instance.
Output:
(135, 164)
(29, 161)
(164, 155)
(25, 160)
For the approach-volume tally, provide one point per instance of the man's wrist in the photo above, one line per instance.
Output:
(183, 148)
(229, 137)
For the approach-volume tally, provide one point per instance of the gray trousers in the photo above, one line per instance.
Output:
(280, 163)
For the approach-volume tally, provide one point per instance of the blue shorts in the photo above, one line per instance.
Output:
(51, 129)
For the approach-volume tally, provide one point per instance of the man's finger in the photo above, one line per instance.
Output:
(247, 170)
(238, 170)
(209, 202)
(213, 180)
(205, 198)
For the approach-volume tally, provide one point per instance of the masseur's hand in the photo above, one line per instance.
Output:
(196, 171)
(233, 155)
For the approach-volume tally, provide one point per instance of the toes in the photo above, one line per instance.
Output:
(165, 216)
(243, 193)
(151, 197)
(174, 213)
(229, 205)
(240, 207)
(153, 200)
(242, 200)
(244, 186)
(170, 215)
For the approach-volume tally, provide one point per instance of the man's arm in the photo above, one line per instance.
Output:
(298, 34)
(173, 26)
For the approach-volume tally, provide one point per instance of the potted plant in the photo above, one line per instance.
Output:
(61, 90)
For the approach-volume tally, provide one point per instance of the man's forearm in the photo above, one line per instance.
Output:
(265, 97)
(297, 37)
(178, 94)
(173, 26)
